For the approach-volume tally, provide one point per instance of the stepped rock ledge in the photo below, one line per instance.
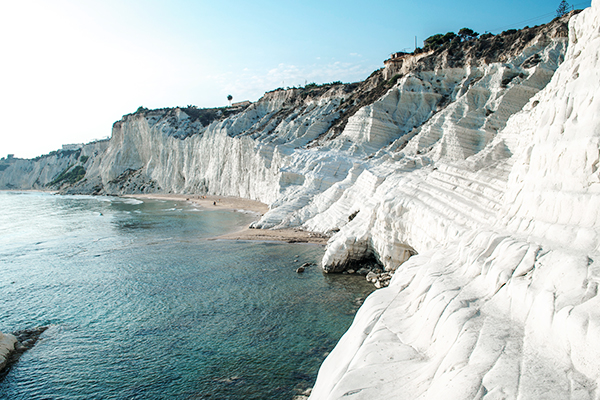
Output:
(471, 172)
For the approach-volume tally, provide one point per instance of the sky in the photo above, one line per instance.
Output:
(70, 68)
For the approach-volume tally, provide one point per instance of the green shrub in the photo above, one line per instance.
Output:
(438, 40)
(69, 175)
(563, 8)
(467, 34)
(392, 81)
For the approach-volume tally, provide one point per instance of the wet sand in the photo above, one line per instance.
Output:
(279, 235)
(210, 202)
(245, 233)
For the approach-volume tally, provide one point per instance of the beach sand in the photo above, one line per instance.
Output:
(237, 203)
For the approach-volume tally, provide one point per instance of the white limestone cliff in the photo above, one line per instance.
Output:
(502, 300)
(37, 173)
(484, 165)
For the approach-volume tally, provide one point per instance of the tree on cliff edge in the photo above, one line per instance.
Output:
(563, 8)
(467, 34)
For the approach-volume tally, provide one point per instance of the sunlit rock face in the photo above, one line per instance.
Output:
(41, 172)
(470, 171)
(501, 301)
(429, 178)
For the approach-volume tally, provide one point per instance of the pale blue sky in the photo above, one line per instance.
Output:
(70, 68)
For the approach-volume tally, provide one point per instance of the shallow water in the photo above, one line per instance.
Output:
(141, 306)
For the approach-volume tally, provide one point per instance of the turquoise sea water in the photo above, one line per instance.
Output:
(141, 306)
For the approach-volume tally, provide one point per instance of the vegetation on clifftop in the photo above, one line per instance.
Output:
(205, 115)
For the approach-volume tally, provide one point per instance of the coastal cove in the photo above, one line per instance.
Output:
(238, 204)
(139, 303)
(463, 179)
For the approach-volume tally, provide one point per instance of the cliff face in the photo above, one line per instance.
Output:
(59, 169)
(502, 300)
(480, 157)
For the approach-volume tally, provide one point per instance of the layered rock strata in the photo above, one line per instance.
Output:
(470, 171)
(503, 304)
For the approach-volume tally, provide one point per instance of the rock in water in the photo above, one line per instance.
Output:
(12, 346)
(7, 345)
(371, 277)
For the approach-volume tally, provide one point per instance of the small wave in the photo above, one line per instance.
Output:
(79, 196)
(131, 201)
(248, 212)
(103, 199)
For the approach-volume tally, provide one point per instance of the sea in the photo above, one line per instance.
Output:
(142, 303)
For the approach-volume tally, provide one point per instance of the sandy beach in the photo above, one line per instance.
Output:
(212, 202)
(237, 203)
(279, 235)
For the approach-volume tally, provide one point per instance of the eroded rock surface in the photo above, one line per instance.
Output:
(470, 173)
(12, 346)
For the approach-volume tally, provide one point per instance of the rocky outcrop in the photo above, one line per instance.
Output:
(470, 171)
(12, 346)
(7, 345)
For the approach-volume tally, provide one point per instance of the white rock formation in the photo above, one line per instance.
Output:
(488, 169)
(502, 300)
(7, 344)
(37, 173)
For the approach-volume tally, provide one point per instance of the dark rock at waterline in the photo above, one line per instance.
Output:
(29, 335)
(297, 241)
(26, 339)
(300, 269)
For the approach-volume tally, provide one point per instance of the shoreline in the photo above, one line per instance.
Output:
(290, 235)
(209, 202)
(229, 203)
